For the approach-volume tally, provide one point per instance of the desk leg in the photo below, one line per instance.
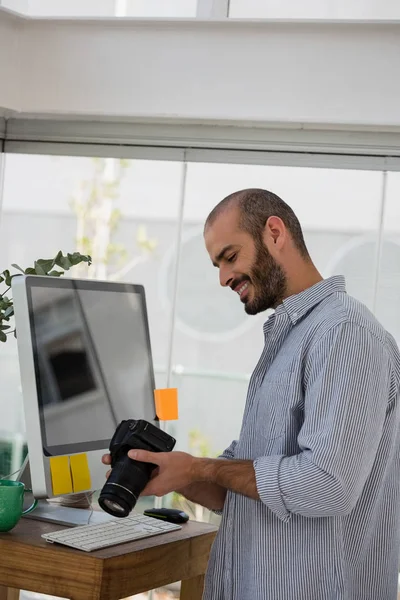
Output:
(192, 589)
(7, 593)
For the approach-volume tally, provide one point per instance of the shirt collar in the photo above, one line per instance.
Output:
(298, 305)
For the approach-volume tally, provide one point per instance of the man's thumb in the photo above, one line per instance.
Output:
(143, 456)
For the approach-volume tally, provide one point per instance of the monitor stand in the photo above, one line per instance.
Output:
(53, 512)
(66, 515)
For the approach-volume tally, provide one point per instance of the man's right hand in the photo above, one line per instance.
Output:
(209, 495)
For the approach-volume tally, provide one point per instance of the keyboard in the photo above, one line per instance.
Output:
(103, 535)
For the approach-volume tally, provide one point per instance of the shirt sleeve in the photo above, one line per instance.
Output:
(347, 391)
(230, 451)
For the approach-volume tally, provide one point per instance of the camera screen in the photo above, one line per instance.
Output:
(92, 360)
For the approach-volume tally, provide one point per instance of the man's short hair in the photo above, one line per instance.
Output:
(256, 206)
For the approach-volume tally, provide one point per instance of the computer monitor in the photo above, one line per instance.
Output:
(86, 364)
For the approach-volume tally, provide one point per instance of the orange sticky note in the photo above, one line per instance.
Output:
(166, 404)
(60, 475)
(80, 472)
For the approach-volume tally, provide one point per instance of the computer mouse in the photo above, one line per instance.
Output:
(172, 515)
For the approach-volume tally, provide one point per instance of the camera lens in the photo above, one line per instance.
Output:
(122, 489)
(113, 507)
(116, 500)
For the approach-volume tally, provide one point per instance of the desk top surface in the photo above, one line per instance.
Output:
(29, 531)
(27, 561)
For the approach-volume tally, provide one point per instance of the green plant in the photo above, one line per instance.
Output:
(43, 266)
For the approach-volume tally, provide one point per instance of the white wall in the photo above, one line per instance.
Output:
(103, 8)
(10, 28)
(315, 9)
(73, 8)
(240, 71)
(21, 6)
(92, 8)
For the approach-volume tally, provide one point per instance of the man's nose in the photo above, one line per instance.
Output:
(225, 277)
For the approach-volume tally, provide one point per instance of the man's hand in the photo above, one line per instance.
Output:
(178, 470)
(174, 470)
(106, 460)
(210, 495)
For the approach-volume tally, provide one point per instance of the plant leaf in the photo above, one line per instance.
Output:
(44, 265)
(55, 273)
(62, 261)
(65, 263)
(7, 277)
(17, 267)
(39, 269)
(58, 258)
(70, 260)
(9, 312)
(77, 258)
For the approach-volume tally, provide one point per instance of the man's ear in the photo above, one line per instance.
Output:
(274, 234)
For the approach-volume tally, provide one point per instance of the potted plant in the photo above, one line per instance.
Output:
(42, 266)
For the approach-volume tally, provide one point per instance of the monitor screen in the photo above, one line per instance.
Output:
(92, 357)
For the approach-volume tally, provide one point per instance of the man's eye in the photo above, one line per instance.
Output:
(231, 258)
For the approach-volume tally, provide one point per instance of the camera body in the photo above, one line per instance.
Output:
(129, 477)
(138, 435)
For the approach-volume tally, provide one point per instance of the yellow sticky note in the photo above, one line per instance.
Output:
(80, 472)
(60, 475)
(166, 404)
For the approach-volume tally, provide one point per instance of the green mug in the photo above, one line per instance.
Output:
(11, 503)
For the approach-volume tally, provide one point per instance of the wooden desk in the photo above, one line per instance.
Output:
(30, 563)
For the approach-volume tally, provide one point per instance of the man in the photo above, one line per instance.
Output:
(309, 493)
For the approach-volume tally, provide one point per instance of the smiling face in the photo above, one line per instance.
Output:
(244, 263)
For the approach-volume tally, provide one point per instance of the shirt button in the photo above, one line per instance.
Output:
(294, 315)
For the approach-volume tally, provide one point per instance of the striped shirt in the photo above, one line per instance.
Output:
(321, 424)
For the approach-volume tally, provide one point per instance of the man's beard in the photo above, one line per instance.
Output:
(268, 281)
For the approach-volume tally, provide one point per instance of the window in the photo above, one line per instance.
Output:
(126, 213)
(387, 307)
(314, 9)
(122, 212)
(103, 8)
(216, 345)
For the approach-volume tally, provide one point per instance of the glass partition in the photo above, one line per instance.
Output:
(128, 214)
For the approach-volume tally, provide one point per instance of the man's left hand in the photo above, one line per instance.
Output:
(175, 470)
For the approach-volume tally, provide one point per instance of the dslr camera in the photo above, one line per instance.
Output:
(129, 477)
